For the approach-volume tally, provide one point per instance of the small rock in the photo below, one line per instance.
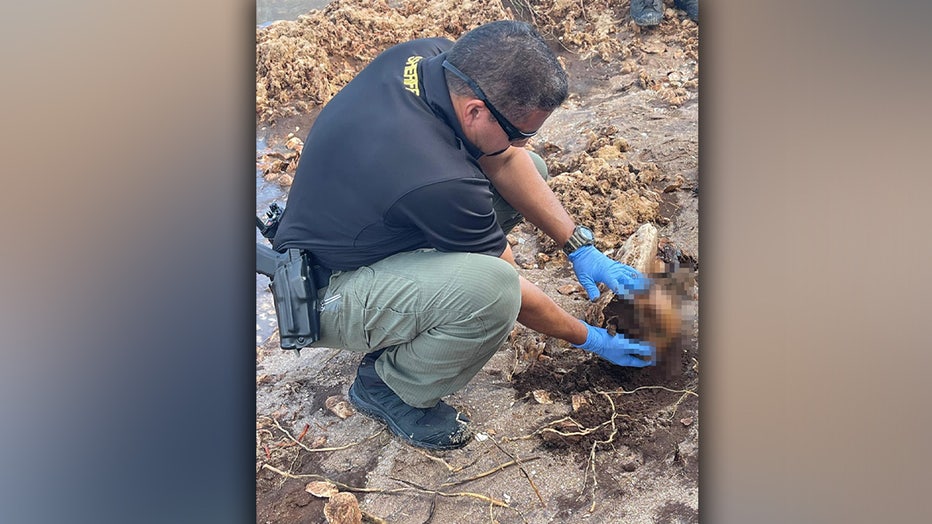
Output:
(578, 401)
(343, 508)
(607, 152)
(542, 396)
(568, 289)
(339, 406)
(294, 143)
(321, 489)
(686, 421)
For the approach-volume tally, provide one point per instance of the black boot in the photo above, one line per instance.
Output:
(690, 6)
(647, 12)
(439, 427)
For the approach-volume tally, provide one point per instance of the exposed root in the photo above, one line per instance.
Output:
(591, 464)
(676, 404)
(450, 469)
(413, 487)
(337, 448)
(547, 428)
(523, 471)
(421, 489)
(581, 430)
(496, 469)
(622, 391)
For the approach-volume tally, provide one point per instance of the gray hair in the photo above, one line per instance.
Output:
(512, 64)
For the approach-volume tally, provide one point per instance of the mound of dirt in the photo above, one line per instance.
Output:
(611, 404)
(302, 64)
(600, 178)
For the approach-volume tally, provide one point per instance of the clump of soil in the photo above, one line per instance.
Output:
(279, 166)
(300, 65)
(609, 407)
(604, 188)
(303, 64)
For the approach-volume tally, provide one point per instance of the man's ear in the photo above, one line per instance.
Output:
(469, 112)
(472, 111)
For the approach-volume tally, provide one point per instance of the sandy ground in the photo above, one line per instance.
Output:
(562, 436)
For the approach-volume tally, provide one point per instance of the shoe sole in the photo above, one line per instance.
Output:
(374, 411)
(649, 22)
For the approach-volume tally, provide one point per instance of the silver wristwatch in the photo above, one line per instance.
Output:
(582, 236)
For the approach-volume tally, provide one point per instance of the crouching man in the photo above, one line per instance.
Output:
(409, 180)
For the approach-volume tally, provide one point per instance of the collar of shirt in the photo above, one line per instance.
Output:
(437, 97)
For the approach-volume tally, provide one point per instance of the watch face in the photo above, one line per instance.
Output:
(581, 237)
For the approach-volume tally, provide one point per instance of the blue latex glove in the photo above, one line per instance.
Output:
(617, 349)
(592, 266)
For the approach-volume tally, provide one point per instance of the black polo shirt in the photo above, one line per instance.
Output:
(386, 169)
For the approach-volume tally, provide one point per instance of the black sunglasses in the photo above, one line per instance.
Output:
(514, 134)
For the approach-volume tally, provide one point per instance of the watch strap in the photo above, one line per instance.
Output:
(582, 236)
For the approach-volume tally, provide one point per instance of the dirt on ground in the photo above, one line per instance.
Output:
(561, 435)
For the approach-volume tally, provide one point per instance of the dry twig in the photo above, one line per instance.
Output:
(622, 391)
(422, 489)
(547, 429)
(414, 487)
(609, 440)
(676, 404)
(450, 469)
(496, 469)
(523, 471)
(337, 448)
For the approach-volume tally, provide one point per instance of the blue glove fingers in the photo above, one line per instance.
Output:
(629, 280)
(640, 284)
(628, 271)
(637, 348)
(634, 362)
(617, 349)
(592, 290)
(592, 266)
(622, 358)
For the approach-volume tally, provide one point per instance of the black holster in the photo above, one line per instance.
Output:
(294, 292)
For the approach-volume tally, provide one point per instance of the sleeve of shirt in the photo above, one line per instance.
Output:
(454, 215)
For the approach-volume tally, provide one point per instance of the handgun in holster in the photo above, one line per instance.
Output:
(294, 291)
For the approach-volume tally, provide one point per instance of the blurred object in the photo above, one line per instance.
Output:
(654, 316)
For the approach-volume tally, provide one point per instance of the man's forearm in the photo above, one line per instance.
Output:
(514, 176)
(540, 313)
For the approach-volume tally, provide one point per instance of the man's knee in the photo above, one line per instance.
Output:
(540, 165)
(498, 289)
